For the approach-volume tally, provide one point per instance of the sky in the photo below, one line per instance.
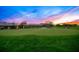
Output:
(38, 14)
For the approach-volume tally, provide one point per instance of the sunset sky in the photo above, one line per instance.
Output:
(37, 14)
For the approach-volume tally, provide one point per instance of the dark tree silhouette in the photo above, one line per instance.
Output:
(23, 24)
(50, 24)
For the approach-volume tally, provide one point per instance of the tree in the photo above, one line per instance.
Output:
(23, 24)
(50, 24)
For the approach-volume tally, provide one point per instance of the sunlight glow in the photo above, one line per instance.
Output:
(68, 18)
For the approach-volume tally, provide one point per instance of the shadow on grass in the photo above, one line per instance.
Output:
(34, 43)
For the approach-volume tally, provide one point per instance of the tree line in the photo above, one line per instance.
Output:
(25, 25)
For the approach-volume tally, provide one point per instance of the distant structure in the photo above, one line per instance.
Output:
(5, 25)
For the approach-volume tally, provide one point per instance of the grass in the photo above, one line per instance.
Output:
(40, 40)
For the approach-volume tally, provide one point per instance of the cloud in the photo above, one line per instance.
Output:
(68, 18)
(50, 12)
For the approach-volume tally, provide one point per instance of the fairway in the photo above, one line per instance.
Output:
(40, 39)
(39, 31)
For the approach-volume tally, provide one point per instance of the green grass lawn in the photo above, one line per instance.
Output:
(40, 39)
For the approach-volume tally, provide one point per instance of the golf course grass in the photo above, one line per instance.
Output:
(40, 40)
